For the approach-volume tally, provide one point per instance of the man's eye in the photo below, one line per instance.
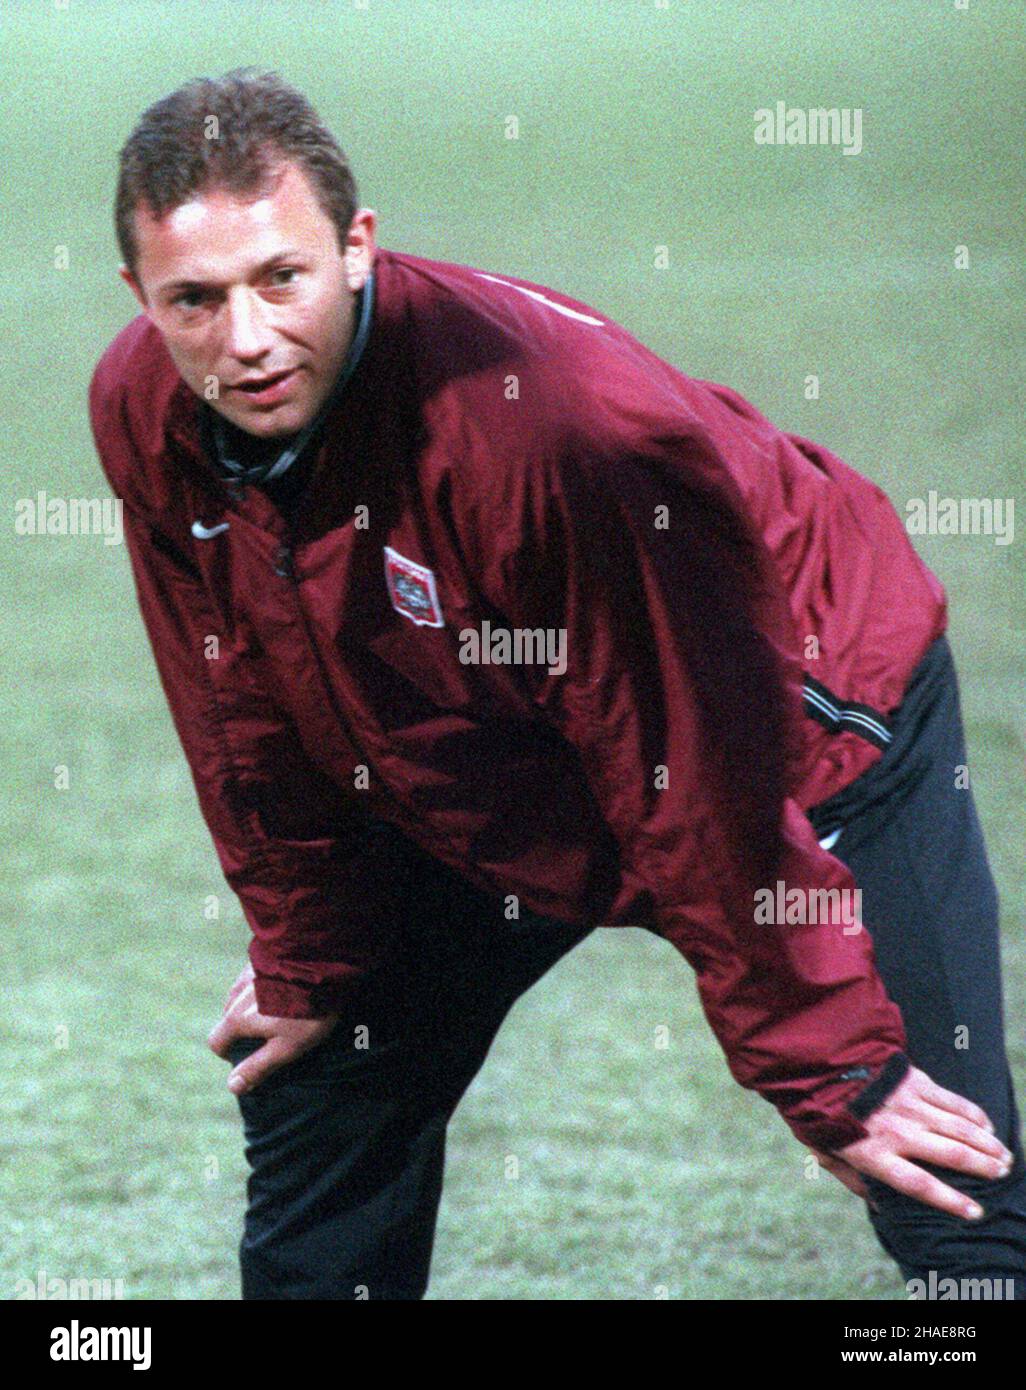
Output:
(284, 270)
(190, 299)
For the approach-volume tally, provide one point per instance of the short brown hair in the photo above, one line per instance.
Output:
(233, 133)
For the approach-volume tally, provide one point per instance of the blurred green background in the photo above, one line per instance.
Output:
(644, 1172)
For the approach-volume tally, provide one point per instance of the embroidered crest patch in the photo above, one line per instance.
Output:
(412, 590)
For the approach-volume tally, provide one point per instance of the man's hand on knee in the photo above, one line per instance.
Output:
(921, 1120)
(286, 1038)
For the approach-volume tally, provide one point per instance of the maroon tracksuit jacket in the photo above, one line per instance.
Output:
(742, 613)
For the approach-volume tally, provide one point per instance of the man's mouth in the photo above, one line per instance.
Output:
(257, 387)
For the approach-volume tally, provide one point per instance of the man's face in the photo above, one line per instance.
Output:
(256, 296)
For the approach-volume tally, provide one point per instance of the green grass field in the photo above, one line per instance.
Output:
(643, 1172)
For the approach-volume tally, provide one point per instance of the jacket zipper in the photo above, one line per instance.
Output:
(284, 567)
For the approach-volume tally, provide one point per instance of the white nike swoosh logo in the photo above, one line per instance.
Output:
(206, 533)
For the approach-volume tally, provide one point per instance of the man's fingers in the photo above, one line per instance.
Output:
(924, 1187)
(221, 1036)
(238, 1020)
(245, 978)
(241, 1021)
(241, 985)
(244, 989)
(950, 1101)
(255, 1068)
(950, 1153)
(955, 1126)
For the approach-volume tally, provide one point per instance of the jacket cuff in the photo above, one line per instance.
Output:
(839, 1125)
(888, 1079)
(292, 999)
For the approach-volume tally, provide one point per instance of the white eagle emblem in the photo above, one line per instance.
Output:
(412, 590)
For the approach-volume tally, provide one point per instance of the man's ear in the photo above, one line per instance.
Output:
(135, 287)
(359, 248)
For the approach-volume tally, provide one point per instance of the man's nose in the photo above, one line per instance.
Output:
(249, 336)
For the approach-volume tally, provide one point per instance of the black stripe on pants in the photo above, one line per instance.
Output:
(913, 841)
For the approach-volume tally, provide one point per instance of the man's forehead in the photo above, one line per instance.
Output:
(211, 221)
(217, 223)
(188, 219)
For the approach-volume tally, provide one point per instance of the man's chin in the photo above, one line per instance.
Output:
(265, 424)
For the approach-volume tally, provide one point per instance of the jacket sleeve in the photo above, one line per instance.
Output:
(683, 703)
(318, 880)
